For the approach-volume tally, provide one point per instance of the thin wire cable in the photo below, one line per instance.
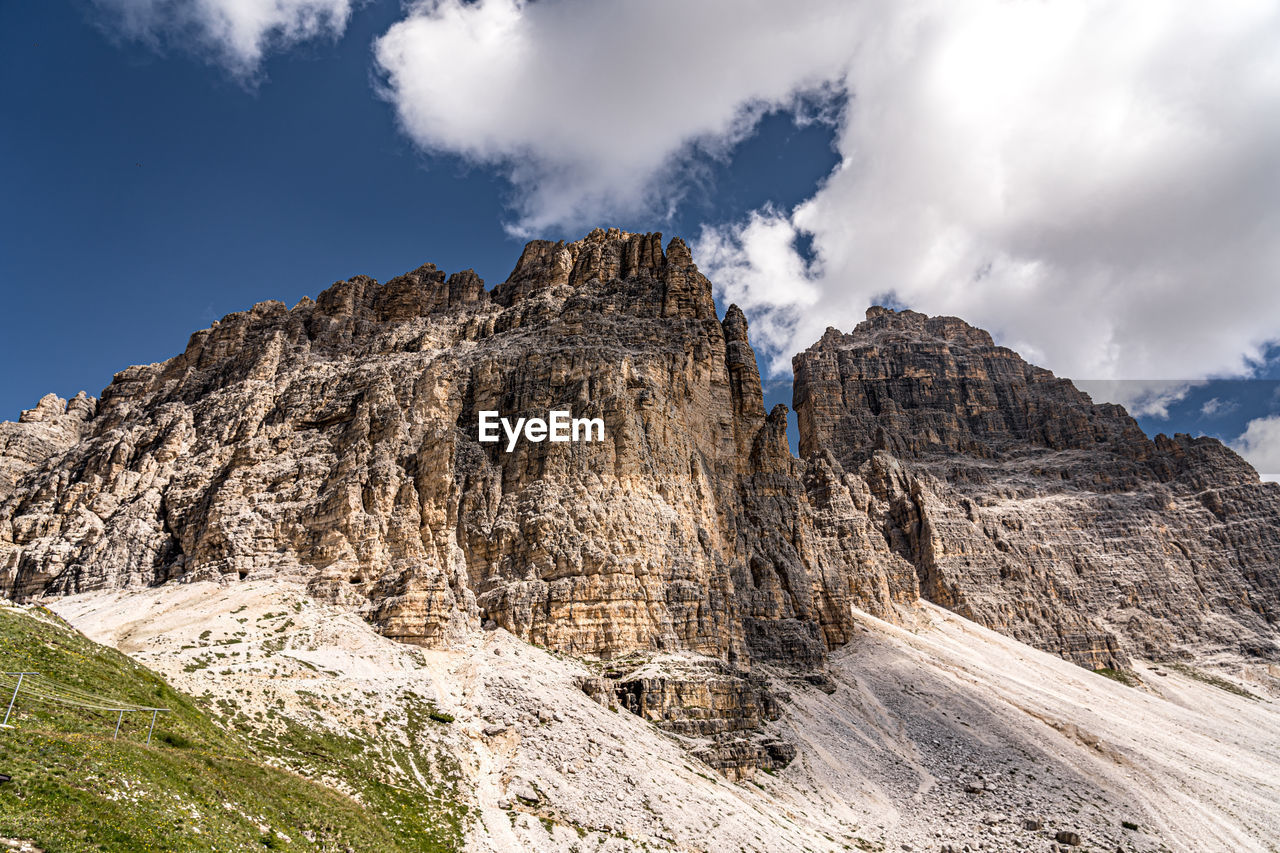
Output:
(74, 692)
(52, 690)
(43, 689)
(39, 698)
(64, 690)
(97, 705)
(52, 686)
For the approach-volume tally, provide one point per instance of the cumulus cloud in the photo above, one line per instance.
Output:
(599, 110)
(1096, 182)
(235, 33)
(762, 274)
(1260, 445)
(1150, 398)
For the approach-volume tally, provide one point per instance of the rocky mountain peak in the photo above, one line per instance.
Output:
(611, 255)
(337, 444)
(53, 425)
(1025, 506)
(916, 386)
(953, 330)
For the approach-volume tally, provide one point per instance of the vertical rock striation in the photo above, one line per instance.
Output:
(336, 442)
(39, 435)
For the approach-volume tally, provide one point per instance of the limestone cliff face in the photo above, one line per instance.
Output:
(41, 434)
(1026, 507)
(336, 442)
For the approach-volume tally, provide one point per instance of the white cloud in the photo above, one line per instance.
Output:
(595, 109)
(762, 273)
(1142, 397)
(1096, 182)
(1260, 445)
(1215, 408)
(236, 33)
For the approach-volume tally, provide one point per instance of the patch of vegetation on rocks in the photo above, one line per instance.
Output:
(1213, 680)
(197, 786)
(1123, 676)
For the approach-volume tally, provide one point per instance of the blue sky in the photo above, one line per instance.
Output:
(161, 169)
(151, 194)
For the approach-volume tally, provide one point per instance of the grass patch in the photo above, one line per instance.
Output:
(1120, 675)
(197, 786)
(385, 776)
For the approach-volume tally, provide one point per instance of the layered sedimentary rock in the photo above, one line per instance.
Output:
(336, 442)
(1026, 507)
(717, 710)
(41, 433)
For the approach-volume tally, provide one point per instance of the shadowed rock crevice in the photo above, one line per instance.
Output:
(719, 713)
(335, 443)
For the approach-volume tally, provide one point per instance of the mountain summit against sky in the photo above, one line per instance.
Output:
(335, 442)
(421, 563)
(1026, 507)
(724, 583)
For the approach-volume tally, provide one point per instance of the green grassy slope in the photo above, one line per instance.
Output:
(197, 786)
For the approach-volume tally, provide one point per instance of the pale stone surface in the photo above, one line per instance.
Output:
(882, 761)
(335, 443)
(41, 434)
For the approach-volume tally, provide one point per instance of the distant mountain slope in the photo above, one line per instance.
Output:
(337, 442)
(1025, 506)
(944, 733)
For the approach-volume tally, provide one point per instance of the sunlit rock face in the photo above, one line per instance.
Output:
(1026, 507)
(50, 428)
(336, 442)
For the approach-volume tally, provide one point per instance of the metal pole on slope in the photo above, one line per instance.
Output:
(14, 698)
(154, 711)
(119, 720)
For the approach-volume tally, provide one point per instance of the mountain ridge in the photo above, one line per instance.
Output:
(334, 444)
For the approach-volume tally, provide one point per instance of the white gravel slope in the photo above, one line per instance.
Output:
(883, 763)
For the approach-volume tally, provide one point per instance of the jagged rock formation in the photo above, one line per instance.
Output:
(336, 443)
(1026, 507)
(51, 427)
